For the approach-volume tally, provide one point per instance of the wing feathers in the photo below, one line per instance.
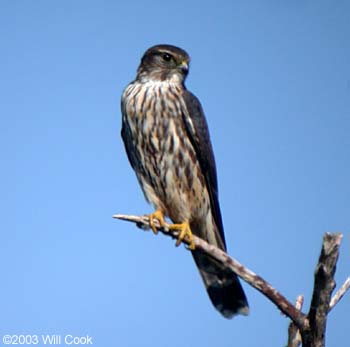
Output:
(198, 133)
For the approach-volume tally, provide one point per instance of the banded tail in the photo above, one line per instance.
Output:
(223, 286)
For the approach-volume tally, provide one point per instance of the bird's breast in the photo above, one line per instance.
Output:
(171, 178)
(154, 111)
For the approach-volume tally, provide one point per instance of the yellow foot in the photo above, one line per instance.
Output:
(185, 234)
(158, 215)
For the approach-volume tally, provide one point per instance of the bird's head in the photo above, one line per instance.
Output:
(164, 62)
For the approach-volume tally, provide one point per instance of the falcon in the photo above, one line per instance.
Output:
(167, 142)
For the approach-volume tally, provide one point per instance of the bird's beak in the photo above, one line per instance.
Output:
(184, 67)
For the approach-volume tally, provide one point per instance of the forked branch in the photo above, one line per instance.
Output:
(312, 326)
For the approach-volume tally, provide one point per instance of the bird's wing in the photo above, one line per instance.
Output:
(198, 133)
(132, 153)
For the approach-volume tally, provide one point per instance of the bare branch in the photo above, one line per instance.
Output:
(294, 337)
(247, 275)
(339, 294)
(312, 327)
(299, 302)
(323, 288)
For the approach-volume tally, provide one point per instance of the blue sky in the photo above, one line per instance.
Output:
(274, 80)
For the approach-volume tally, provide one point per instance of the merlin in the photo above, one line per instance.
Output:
(167, 142)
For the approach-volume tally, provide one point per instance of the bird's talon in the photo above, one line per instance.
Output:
(158, 215)
(185, 234)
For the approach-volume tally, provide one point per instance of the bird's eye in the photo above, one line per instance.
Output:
(166, 57)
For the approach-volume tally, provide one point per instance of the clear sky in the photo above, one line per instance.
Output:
(274, 80)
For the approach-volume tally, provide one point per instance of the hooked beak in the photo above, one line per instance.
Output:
(184, 67)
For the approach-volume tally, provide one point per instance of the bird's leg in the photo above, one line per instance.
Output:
(159, 216)
(185, 233)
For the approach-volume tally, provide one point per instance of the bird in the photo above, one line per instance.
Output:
(167, 141)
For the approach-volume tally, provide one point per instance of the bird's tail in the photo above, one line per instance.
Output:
(223, 286)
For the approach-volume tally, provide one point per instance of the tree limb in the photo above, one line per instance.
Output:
(294, 337)
(311, 327)
(247, 275)
(339, 294)
(323, 287)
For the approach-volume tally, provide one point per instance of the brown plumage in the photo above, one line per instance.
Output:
(168, 145)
